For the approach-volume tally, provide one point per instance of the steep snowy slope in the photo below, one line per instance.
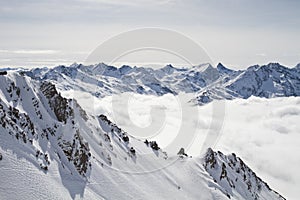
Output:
(52, 149)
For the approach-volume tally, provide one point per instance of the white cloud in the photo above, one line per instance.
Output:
(263, 132)
(30, 51)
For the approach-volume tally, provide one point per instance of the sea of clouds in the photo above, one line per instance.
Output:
(265, 133)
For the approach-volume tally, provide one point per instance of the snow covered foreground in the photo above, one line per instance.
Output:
(52, 149)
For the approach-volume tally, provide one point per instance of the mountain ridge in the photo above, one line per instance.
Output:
(220, 82)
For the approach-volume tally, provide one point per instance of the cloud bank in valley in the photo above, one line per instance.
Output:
(263, 132)
(266, 133)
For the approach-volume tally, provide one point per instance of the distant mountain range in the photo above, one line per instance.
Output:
(206, 81)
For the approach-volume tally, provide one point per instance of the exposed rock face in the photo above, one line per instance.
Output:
(77, 151)
(114, 129)
(58, 103)
(182, 153)
(31, 123)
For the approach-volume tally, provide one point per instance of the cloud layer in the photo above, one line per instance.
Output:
(265, 133)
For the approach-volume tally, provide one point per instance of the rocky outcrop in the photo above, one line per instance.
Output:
(113, 128)
(77, 151)
(232, 174)
(57, 103)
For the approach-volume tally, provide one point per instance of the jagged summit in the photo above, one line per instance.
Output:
(222, 69)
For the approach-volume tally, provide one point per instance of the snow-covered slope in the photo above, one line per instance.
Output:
(52, 149)
(234, 176)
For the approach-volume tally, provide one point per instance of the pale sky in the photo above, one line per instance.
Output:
(238, 33)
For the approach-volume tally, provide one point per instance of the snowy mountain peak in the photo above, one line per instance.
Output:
(168, 69)
(203, 66)
(223, 69)
(125, 69)
(74, 65)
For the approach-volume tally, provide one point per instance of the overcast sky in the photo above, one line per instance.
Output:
(237, 33)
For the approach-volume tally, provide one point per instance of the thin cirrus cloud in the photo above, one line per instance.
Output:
(39, 57)
(31, 51)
